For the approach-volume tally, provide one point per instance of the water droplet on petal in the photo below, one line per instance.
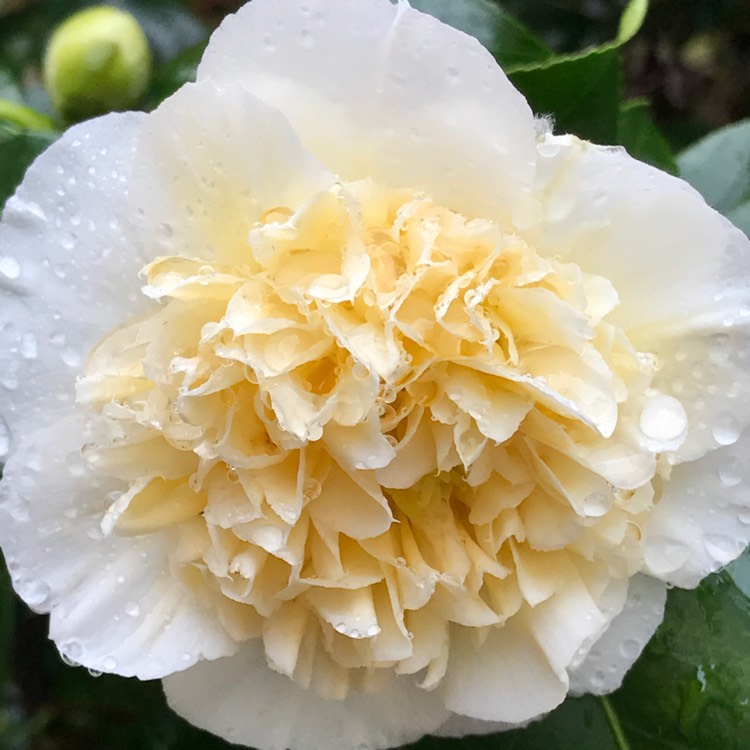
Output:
(132, 609)
(663, 418)
(4, 438)
(110, 664)
(630, 649)
(596, 504)
(9, 267)
(726, 430)
(729, 472)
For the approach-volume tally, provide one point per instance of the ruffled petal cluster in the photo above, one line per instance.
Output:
(349, 393)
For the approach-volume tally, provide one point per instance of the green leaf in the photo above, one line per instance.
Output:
(177, 72)
(18, 148)
(718, 166)
(690, 690)
(580, 723)
(511, 43)
(581, 93)
(637, 131)
(631, 20)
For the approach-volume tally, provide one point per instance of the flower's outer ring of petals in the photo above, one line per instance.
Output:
(114, 604)
(508, 679)
(605, 665)
(702, 520)
(210, 160)
(71, 262)
(681, 270)
(242, 700)
(383, 91)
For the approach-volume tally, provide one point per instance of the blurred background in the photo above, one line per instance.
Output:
(691, 61)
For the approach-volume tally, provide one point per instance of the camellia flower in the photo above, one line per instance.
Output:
(354, 403)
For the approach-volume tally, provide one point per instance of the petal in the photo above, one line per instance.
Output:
(114, 604)
(606, 664)
(242, 700)
(209, 162)
(702, 520)
(68, 243)
(380, 90)
(508, 679)
(681, 271)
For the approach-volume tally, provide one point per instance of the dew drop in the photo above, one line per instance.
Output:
(597, 681)
(71, 652)
(233, 476)
(630, 649)
(743, 516)
(9, 267)
(663, 418)
(548, 149)
(109, 664)
(28, 346)
(596, 504)
(95, 672)
(360, 371)
(725, 430)
(71, 357)
(729, 472)
(4, 438)
(36, 595)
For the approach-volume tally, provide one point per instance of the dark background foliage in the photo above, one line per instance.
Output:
(685, 74)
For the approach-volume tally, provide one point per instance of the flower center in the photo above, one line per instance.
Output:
(388, 419)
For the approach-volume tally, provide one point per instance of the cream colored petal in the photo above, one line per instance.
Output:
(382, 115)
(507, 679)
(243, 701)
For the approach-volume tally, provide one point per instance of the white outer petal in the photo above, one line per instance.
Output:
(242, 700)
(68, 228)
(702, 520)
(383, 91)
(114, 604)
(609, 659)
(681, 270)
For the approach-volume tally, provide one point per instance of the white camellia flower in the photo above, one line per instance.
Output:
(352, 402)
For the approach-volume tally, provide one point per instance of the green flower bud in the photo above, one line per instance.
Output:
(97, 61)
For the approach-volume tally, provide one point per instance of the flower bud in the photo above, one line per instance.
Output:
(97, 61)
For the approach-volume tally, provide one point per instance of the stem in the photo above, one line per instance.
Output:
(25, 117)
(614, 723)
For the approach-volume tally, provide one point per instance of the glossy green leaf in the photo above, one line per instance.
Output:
(691, 688)
(18, 148)
(582, 92)
(177, 72)
(511, 43)
(570, 89)
(580, 723)
(639, 134)
(718, 166)
(631, 20)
